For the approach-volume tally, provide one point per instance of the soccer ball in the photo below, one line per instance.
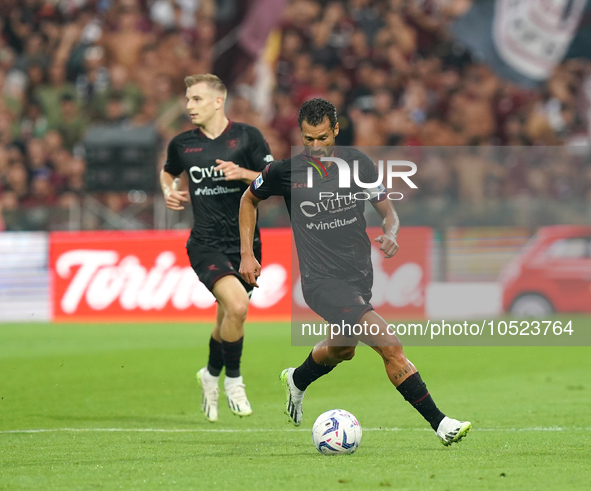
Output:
(336, 432)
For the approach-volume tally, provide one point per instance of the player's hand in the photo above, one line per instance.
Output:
(250, 270)
(175, 199)
(232, 171)
(388, 246)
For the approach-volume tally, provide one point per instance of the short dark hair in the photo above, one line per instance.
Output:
(314, 111)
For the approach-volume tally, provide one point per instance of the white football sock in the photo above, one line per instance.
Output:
(209, 379)
(232, 381)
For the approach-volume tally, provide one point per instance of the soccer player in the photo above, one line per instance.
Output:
(221, 158)
(335, 262)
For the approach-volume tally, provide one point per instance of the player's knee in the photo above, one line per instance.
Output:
(237, 310)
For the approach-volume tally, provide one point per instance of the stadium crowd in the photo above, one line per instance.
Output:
(392, 69)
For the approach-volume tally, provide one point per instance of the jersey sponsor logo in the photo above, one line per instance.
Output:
(258, 181)
(332, 205)
(197, 173)
(233, 143)
(193, 149)
(215, 191)
(337, 222)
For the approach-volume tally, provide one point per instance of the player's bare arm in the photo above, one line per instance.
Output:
(174, 199)
(390, 226)
(234, 172)
(250, 269)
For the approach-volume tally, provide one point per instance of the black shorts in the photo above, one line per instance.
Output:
(338, 301)
(211, 264)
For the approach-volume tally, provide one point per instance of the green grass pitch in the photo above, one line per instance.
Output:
(116, 407)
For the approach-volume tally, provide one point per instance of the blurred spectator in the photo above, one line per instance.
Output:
(118, 87)
(337, 97)
(77, 168)
(36, 77)
(171, 109)
(8, 129)
(61, 163)
(147, 68)
(34, 52)
(391, 68)
(124, 45)
(50, 95)
(71, 124)
(54, 142)
(115, 110)
(33, 123)
(42, 193)
(10, 100)
(93, 81)
(17, 180)
(37, 157)
(147, 114)
(4, 165)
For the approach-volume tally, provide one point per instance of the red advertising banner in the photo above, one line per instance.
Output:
(400, 282)
(146, 276)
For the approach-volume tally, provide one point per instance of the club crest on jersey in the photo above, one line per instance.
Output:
(233, 143)
(258, 181)
(316, 164)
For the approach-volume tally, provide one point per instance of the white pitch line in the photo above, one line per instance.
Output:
(259, 430)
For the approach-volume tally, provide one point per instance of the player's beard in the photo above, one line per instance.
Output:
(319, 152)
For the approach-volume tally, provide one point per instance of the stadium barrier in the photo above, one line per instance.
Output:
(24, 277)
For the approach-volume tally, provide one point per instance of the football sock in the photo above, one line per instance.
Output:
(309, 371)
(414, 390)
(216, 358)
(230, 382)
(232, 352)
(209, 379)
